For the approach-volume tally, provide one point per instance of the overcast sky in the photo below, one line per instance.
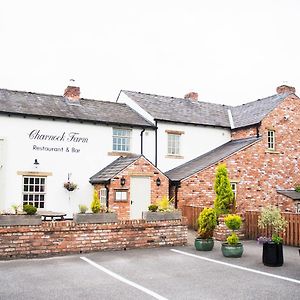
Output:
(229, 52)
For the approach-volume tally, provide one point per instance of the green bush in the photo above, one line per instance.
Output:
(233, 239)
(83, 208)
(233, 222)
(224, 201)
(297, 188)
(207, 222)
(29, 209)
(153, 207)
(95, 205)
(166, 204)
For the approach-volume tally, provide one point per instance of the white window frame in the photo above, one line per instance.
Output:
(102, 196)
(121, 195)
(121, 140)
(34, 190)
(234, 188)
(271, 139)
(173, 144)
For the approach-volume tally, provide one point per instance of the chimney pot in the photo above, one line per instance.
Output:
(72, 92)
(191, 96)
(285, 89)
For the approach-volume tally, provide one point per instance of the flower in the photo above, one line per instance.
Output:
(70, 186)
(263, 239)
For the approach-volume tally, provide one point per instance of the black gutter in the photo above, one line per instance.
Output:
(142, 140)
(155, 143)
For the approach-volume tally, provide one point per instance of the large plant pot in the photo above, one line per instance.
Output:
(20, 220)
(204, 244)
(161, 215)
(272, 254)
(95, 218)
(232, 250)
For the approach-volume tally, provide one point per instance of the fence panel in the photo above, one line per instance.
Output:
(192, 213)
(291, 236)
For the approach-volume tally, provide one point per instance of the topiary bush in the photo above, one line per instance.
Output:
(224, 201)
(207, 222)
(29, 209)
(233, 222)
(82, 208)
(95, 205)
(153, 207)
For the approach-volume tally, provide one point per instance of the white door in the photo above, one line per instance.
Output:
(140, 196)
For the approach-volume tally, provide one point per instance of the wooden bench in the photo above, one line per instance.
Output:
(52, 215)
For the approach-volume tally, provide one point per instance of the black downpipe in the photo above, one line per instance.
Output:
(257, 131)
(177, 184)
(107, 196)
(155, 144)
(142, 140)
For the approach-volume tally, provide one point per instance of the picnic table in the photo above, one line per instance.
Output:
(52, 215)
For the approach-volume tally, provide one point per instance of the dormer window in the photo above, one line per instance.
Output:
(271, 140)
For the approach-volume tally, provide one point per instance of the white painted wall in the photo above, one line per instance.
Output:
(18, 155)
(195, 141)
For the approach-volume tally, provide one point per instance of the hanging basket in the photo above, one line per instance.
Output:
(70, 186)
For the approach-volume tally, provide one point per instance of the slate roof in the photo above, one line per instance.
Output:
(113, 169)
(253, 112)
(210, 158)
(290, 193)
(181, 110)
(42, 105)
(205, 113)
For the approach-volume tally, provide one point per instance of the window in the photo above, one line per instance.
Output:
(121, 196)
(103, 197)
(173, 144)
(121, 139)
(234, 188)
(271, 139)
(34, 190)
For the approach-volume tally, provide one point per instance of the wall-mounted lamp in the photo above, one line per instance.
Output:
(158, 182)
(36, 163)
(122, 181)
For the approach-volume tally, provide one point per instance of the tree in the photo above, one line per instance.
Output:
(224, 195)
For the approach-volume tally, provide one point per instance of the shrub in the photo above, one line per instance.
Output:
(165, 204)
(270, 218)
(207, 222)
(297, 188)
(224, 195)
(82, 208)
(95, 205)
(233, 222)
(153, 207)
(15, 208)
(29, 209)
(233, 239)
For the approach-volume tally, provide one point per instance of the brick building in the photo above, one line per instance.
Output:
(262, 158)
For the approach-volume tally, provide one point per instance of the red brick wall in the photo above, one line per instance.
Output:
(141, 167)
(257, 171)
(65, 237)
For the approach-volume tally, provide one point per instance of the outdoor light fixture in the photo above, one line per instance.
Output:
(36, 163)
(122, 180)
(158, 182)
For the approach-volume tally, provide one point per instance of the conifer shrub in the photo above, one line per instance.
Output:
(207, 222)
(29, 209)
(95, 205)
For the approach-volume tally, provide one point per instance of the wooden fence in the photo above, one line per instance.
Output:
(191, 213)
(291, 236)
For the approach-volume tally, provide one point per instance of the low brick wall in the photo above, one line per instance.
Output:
(66, 237)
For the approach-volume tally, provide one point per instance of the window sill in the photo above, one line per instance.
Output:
(174, 156)
(272, 151)
(120, 153)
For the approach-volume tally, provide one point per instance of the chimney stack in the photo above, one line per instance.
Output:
(191, 96)
(285, 89)
(72, 92)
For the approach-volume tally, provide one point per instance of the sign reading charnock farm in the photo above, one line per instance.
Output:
(67, 137)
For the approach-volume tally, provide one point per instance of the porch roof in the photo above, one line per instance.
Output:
(290, 193)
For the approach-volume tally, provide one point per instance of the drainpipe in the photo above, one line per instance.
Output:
(155, 144)
(142, 140)
(257, 131)
(177, 185)
(107, 194)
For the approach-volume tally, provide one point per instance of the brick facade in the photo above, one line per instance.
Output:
(257, 171)
(141, 167)
(65, 237)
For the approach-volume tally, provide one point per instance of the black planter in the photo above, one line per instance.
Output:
(272, 254)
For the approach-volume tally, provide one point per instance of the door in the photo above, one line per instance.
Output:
(140, 196)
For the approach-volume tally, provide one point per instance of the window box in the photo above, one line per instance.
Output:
(20, 220)
(91, 218)
(162, 215)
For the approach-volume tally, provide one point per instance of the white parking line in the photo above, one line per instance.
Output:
(236, 267)
(122, 279)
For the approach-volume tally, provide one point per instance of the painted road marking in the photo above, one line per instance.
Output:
(237, 267)
(122, 279)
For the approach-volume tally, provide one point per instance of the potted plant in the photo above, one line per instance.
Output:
(233, 247)
(99, 213)
(271, 220)
(70, 186)
(207, 222)
(163, 210)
